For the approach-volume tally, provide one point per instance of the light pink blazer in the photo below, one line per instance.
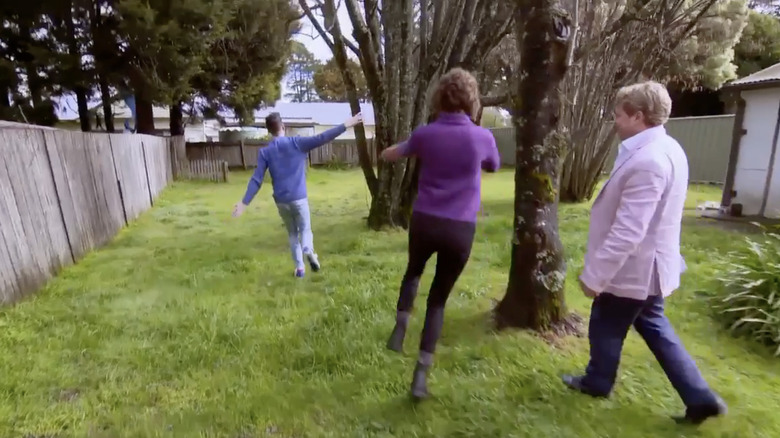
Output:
(636, 217)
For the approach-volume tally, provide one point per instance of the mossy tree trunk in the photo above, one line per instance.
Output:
(535, 292)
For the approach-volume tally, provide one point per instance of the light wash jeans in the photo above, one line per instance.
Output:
(297, 219)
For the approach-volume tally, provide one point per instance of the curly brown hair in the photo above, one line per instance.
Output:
(457, 91)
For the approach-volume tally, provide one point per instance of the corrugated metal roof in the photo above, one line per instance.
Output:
(770, 74)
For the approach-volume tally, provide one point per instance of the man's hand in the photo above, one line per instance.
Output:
(238, 209)
(587, 291)
(354, 120)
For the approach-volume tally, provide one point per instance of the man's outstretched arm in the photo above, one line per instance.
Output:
(256, 181)
(306, 144)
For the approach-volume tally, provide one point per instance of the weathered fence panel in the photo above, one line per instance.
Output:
(157, 154)
(84, 173)
(206, 164)
(244, 155)
(131, 174)
(108, 200)
(33, 235)
(65, 193)
(340, 152)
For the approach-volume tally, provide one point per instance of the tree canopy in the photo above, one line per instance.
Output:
(329, 83)
(197, 54)
(301, 69)
(759, 46)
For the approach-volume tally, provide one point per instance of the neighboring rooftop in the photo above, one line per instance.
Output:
(320, 113)
(767, 76)
(317, 113)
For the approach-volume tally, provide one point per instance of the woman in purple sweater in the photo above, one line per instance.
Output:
(452, 152)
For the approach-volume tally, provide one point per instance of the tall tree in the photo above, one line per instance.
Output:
(29, 54)
(329, 82)
(535, 292)
(301, 69)
(403, 47)
(759, 45)
(167, 42)
(68, 20)
(687, 41)
(246, 65)
(108, 60)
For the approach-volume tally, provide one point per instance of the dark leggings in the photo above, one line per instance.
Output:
(452, 241)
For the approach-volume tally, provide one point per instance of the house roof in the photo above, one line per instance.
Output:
(320, 113)
(766, 77)
(310, 113)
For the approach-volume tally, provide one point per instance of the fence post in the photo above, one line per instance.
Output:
(225, 170)
(243, 155)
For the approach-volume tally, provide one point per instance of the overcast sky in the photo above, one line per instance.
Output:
(316, 45)
(312, 40)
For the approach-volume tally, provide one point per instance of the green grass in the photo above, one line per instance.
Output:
(190, 324)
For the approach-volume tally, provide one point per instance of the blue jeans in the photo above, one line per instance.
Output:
(297, 220)
(610, 319)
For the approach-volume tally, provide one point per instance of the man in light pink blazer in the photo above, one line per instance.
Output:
(633, 256)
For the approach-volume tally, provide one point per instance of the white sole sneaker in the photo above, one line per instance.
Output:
(314, 262)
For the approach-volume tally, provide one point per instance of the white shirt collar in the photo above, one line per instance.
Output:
(641, 138)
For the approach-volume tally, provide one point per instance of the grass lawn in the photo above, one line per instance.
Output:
(190, 324)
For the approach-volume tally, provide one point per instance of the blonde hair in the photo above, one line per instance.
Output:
(457, 91)
(651, 98)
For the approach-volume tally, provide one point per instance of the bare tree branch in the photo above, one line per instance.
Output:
(351, 46)
(307, 11)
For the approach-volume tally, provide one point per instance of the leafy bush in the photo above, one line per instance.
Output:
(748, 299)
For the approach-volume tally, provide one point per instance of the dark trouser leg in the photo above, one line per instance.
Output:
(420, 250)
(610, 319)
(449, 266)
(655, 328)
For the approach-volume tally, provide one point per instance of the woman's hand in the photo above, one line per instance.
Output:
(393, 153)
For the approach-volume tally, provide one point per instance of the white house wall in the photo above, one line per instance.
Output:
(773, 197)
(761, 108)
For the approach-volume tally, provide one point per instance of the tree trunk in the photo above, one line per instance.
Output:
(144, 109)
(76, 71)
(144, 112)
(81, 102)
(177, 120)
(340, 54)
(100, 52)
(108, 113)
(535, 292)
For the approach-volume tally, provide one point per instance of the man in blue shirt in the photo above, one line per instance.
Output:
(285, 158)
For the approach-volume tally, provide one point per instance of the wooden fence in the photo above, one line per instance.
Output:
(64, 193)
(207, 164)
(706, 141)
(244, 155)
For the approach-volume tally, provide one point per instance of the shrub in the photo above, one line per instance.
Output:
(748, 299)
